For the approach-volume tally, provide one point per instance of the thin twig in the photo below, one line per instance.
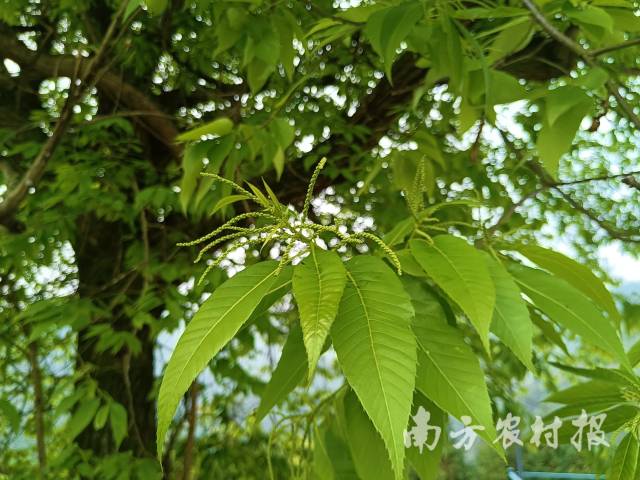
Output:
(81, 83)
(612, 85)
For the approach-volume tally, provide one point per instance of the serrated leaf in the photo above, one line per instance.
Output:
(118, 422)
(386, 29)
(368, 451)
(449, 373)
(573, 272)
(625, 461)
(376, 348)
(213, 325)
(288, 374)
(462, 273)
(318, 283)
(570, 308)
(511, 322)
(220, 127)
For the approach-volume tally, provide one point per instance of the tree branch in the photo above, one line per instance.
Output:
(586, 55)
(83, 78)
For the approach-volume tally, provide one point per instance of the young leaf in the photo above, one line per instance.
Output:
(448, 371)
(376, 348)
(118, 422)
(625, 461)
(217, 321)
(367, 448)
(318, 283)
(462, 273)
(387, 28)
(573, 272)
(287, 375)
(511, 322)
(220, 127)
(570, 308)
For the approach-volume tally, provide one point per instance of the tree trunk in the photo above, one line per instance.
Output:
(128, 379)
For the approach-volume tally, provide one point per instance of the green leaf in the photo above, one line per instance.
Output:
(213, 325)
(322, 468)
(156, 7)
(576, 274)
(118, 422)
(400, 232)
(318, 283)
(278, 161)
(561, 100)
(81, 418)
(427, 463)
(226, 201)
(462, 273)
(553, 142)
(511, 322)
(386, 29)
(220, 127)
(191, 166)
(367, 447)
(287, 375)
(376, 349)
(101, 417)
(570, 308)
(449, 373)
(10, 413)
(591, 15)
(625, 461)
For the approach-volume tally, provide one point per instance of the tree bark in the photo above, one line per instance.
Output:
(99, 251)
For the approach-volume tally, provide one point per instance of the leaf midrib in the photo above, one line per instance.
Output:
(221, 318)
(375, 359)
(587, 324)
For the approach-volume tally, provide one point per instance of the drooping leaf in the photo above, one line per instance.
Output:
(213, 325)
(462, 273)
(448, 371)
(625, 461)
(367, 447)
(82, 417)
(511, 322)
(118, 422)
(573, 272)
(553, 142)
(376, 348)
(191, 166)
(288, 374)
(318, 283)
(570, 308)
(387, 28)
(219, 127)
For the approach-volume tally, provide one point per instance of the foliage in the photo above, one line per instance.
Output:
(379, 189)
